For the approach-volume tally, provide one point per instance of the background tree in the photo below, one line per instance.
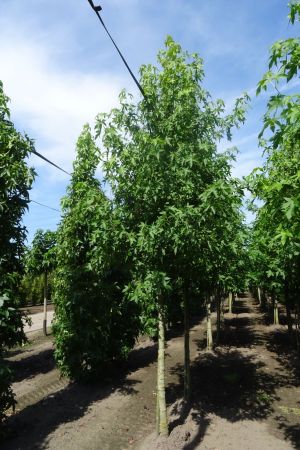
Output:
(41, 260)
(32, 289)
(15, 181)
(277, 183)
(94, 325)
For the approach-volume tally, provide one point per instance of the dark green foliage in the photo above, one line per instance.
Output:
(15, 181)
(94, 324)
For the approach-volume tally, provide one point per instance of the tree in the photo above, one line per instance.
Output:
(41, 259)
(15, 181)
(94, 325)
(277, 183)
(160, 159)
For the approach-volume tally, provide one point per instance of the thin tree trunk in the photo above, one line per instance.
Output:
(297, 326)
(259, 295)
(263, 299)
(269, 304)
(275, 310)
(187, 374)
(161, 390)
(230, 302)
(45, 303)
(218, 318)
(222, 308)
(288, 309)
(209, 329)
(157, 402)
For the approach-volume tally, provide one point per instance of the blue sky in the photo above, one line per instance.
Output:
(60, 69)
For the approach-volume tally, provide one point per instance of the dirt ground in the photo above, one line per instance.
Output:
(246, 394)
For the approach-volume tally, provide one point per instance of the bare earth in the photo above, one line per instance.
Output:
(36, 315)
(246, 394)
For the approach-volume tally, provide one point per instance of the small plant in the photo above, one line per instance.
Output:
(263, 397)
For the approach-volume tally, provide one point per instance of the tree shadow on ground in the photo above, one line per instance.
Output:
(228, 384)
(236, 332)
(30, 428)
(280, 343)
(268, 315)
(181, 411)
(240, 306)
(239, 332)
(292, 433)
(25, 368)
(234, 384)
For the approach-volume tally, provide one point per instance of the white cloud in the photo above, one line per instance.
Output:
(52, 104)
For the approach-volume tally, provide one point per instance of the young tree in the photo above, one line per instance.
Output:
(41, 260)
(93, 323)
(161, 159)
(15, 181)
(277, 183)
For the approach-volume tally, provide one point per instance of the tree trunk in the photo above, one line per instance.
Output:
(162, 426)
(230, 302)
(259, 295)
(288, 309)
(297, 326)
(218, 318)
(222, 308)
(45, 303)
(275, 310)
(263, 299)
(187, 374)
(209, 330)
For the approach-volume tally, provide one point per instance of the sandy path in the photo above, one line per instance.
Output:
(245, 396)
(37, 321)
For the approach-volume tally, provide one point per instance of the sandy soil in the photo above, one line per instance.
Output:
(36, 315)
(246, 394)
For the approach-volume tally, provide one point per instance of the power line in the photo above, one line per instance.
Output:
(48, 161)
(46, 206)
(97, 10)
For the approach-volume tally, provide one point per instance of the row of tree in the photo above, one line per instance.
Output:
(169, 235)
(275, 238)
(15, 182)
(171, 231)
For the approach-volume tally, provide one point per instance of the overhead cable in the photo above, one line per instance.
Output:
(48, 161)
(46, 206)
(97, 10)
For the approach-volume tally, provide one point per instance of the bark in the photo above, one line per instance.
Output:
(269, 304)
(209, 330)
(259, 295)
(45, 303)
(218, 318)
(157, 402)
(297, 327)
(162, 426)
(275, 310)
(288, 308)
(222, 308)
(230, 302)
(263, 299)
(187, 375)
